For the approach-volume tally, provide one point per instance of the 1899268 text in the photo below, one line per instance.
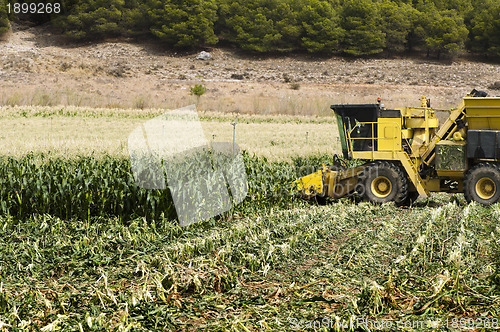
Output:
(34, 8)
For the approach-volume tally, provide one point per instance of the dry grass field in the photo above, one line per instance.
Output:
(72, 131)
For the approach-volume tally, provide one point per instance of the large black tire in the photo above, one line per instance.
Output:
(482, 183)
(383, 182)
(410, 199)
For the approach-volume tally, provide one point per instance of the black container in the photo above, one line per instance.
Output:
(483, 144)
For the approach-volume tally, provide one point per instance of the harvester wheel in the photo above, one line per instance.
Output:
(482, 183)
(383, 182)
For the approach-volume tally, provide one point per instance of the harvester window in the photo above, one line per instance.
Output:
(360, 125)
(361, 133)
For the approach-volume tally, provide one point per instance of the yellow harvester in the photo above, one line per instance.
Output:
(408, 155)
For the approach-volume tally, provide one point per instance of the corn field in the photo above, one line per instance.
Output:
(83, 248)
(86, 187)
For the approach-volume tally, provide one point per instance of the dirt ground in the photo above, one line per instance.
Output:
(39, 67)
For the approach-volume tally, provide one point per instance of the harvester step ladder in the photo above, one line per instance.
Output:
(412, 171)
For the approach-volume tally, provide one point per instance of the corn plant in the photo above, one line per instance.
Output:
(87, 187)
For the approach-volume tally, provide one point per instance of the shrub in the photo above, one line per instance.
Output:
(198, 90)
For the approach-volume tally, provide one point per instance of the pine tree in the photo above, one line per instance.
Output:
(417, 33)
(284, 14)
(322, 32)
(135, 17)
(261, 25)
(92, 19)
(184, 24)
(253, 30)
(355, 27)
(395, 22)
(363, 35)
(485, 27)
(445, 32)
(462, 7)
(4, 17)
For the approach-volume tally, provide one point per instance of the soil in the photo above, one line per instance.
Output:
(38, 66)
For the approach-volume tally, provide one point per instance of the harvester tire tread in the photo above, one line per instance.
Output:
(393, 173)
(486, 170)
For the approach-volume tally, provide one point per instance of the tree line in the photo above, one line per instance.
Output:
(353, 27)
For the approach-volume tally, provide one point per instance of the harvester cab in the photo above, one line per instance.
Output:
(407, 154)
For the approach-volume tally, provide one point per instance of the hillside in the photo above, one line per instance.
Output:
(38, 67)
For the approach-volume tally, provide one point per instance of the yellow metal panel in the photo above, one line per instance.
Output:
(341, 183)
(335, 184)
(433, 185)
(376, 155)
(311, 184)
(331, 180)
(407, 133)
(343, 188)
(411, 169)
(483, 113)
(420, 122)
(418, 140)
(451, 174)
(389, 134)
(411, 112)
